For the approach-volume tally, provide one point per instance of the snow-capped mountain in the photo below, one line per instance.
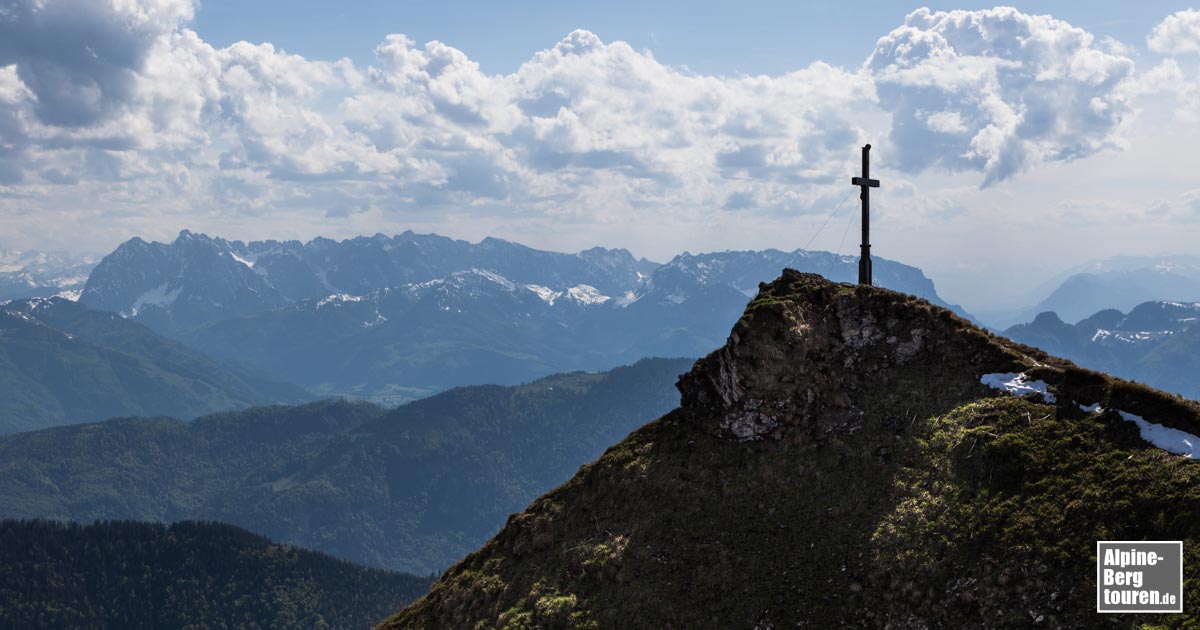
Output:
(41, 274)
(190, 282)
(393, 317)
(197, 279)
(744, 270)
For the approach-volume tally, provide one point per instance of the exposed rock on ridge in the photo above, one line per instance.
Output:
(807, 352)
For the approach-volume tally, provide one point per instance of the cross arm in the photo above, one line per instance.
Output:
(860, 181)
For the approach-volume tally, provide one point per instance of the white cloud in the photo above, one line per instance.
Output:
(946, 122)
(164, 129)
(1179, 33)
(81, 58)
(1168, 78)
(1008, 91)
(582, 129)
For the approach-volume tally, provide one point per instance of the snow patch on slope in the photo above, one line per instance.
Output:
(1130, 337)
(337, 299)
(158, 296)
(495, 277)
(1170, 440)
(1166, 438)
(1017, 384)
(587, 295)
(248, 263)
(583, 294)
(629, 298)
(547, 294)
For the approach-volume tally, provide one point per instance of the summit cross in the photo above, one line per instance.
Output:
(866, 183)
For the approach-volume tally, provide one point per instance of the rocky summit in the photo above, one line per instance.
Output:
(852, 457)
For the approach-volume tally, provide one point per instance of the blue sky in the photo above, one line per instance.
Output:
(1013, 143)
(710, 37)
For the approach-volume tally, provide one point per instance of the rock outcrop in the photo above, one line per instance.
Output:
(808, 355)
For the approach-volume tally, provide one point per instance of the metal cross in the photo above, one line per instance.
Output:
(866, 183)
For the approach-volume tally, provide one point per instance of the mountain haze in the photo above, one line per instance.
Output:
(413, 488)
(25, 274)
(1118, 283)
(61, 363)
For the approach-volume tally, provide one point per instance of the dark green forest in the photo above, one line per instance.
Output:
(194, 575)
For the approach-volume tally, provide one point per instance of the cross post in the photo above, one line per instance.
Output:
(866, 183)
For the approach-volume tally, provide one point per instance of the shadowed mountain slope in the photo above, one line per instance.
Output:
(189, 575)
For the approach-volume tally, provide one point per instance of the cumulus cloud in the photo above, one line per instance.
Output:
(81, 58)
(115, 105)
(1179, 33)
(1169, 79)
(997, 91)
(583, 125)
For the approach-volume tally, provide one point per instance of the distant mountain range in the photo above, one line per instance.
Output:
(1157, 343)
(197, 280)
(412, 488)
(1119, 283)
(395, 318)
(61, 363)
(26, 274)
(144, 576)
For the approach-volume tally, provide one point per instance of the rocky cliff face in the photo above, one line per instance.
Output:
(808, 355)
(852, 457)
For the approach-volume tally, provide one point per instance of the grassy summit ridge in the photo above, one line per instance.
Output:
(838, 464)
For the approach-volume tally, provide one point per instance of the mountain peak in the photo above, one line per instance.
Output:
(135, 243)
(605, 251)
(812, 354)
(492, 242)
(1047, 318)
(187, 236)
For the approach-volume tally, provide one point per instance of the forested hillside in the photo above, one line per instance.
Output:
(412, 488)
(197, 575)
